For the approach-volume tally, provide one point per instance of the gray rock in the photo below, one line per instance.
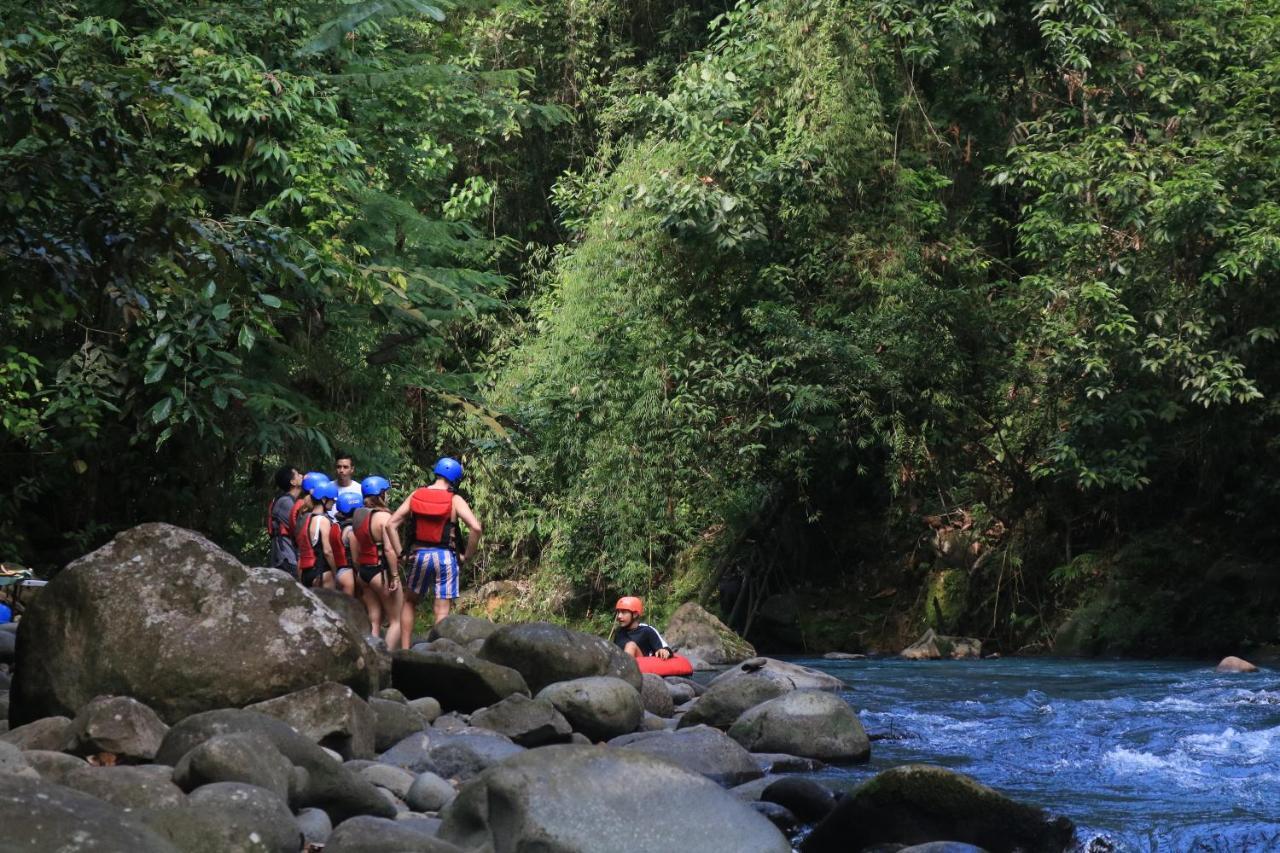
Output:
(391, 694)
(681, 690)
(460, 682)
(545, 654)
(56, 818)
(933, 646)
(48, 733)
(428, 707)
(452, 723)
(314, 825)
(52, 765)
(443, 646)
(463, 756)
(430, 793)
(790, 675)
(698, 634)
(119, 725)
(599, 707)
(461, 629)
(751, 791)
(327, 784)
(249, 818)
(806, 799)
(182, 648)
(779, 816)
(350, 610)
(8, 646)
(725, 701)
(12, 760)
(703, 750)
(652, 723)
(128, 787)
(412, 754)
(942, 847)
(843, 656)
(375, 835)
(395, 722)
(425, 824)
(568, 799)
(528, 722)
(330, 714)
(781, 762)
(808, 723)
(394, 779)
(246, 757)
(915, 804)
(655, 697)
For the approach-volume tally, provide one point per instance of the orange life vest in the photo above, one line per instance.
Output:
(306, 551)
(367, 552)
(432, 517)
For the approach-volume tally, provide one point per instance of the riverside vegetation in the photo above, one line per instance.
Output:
(949, 312)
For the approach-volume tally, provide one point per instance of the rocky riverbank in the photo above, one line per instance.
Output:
(165, 697)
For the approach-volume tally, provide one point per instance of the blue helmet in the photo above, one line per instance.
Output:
(326, 491)
(450, 469)
(373, 486)
(349, 502)
(313, 479)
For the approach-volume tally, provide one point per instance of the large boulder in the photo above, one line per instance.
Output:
(599, 707)
(330, 714)
(461, 682)
(916, 804)
(51, 817)
(934, 646)
(809, 723)
(165, 616)
(249, 819)
(461, 629)
(702, 750)
(545, 653)
(581, 799)
(47, 733)
(247, 757)
(725, 701)
(117, 724)
(655, 697)
(463, 756)
(54, 766)
(350, 609)
(791, 676)
(325, 783)
(528, 722)
(701, 636)
(128, 787)
(395, 722)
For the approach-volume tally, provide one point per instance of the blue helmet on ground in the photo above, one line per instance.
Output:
(374, 485)
(450, 469)
(312, 479)
(326, 491)
(349, 502)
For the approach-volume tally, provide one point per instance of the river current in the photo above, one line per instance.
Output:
(1143, 756)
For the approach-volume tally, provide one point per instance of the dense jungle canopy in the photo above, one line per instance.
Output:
(882, 311)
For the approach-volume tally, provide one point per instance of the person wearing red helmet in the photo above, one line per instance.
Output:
(633, 636)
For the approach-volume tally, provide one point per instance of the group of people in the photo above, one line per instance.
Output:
(337, 533)
(341, 534)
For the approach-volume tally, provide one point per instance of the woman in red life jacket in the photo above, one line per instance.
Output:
(377, 552)
(321, 531)
(343, 541)
(434, 560)
(299, 524)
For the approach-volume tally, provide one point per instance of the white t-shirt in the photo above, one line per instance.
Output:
(353, 489)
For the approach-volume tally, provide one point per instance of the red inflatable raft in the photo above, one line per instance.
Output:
(674, 665)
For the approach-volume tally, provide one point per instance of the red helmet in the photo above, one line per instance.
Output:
(630, 602)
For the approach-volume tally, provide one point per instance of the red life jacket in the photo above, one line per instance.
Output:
(339, 549)
(367, 551)
(306, 552)
(293, 518)
(432, 517)
(274, 527)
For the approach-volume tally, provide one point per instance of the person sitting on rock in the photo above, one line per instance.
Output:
(633, 636)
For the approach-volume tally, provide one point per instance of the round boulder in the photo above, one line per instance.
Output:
(568, 799)
(377, 835)
(545, 653)
(809, 723)
(1234, 664)
(528, 722)
(165, 616)
(52, 817)
(655, 696)
(461, 629)
(249, 818)
(119, 725)
(599, 707)
(703, 750)
(792, 676)
(458, 681)
(725, 701)
(127, 787)
(916, 804)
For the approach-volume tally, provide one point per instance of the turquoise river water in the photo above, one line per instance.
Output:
(1143, 756)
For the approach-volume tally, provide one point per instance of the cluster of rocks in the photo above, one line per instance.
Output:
(264, 721)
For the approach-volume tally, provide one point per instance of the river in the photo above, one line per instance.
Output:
(1143, 756)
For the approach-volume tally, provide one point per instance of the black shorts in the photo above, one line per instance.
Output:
(368, 573)
(311, 577)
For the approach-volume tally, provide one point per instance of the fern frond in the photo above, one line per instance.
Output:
(332, 33)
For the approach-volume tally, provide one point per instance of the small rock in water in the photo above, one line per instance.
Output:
(1235, 664)
(843, 656)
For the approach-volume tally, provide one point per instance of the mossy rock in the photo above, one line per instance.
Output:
(946, 597)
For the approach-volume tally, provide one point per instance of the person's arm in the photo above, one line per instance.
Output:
(468, 517)
(662, 650)
(326, 542)
(401, 513)
(391, 549)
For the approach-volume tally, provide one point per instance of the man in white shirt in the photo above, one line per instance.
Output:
(345, 471)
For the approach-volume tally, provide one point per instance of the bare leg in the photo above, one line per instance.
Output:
(632, 649)
(440, 608)
(391, 605)
(408, 609)
(326, 580)
(372, 606)
(347, 583)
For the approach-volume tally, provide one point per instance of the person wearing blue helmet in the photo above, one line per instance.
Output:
(320, 536)
(346, 506)
(435, 562)
(376, 547)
